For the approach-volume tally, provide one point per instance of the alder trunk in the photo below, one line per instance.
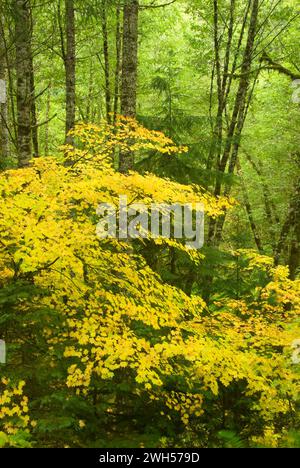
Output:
(106, 61)
(129, 72)
(118, 62)
(34, 123)
(4, 136)
(23, 75)
(70, 69)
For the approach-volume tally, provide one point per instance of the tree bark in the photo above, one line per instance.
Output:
(70, 68)
(34, 122)
(13, 134)
(294, 260)
(270, 208)
(118, 62)
(88, 110)
(249, 211)
(291, 225)
(108, 103)
(226, 147)
(4, 135)
(129, 72)
(23, 74)
(274, 66)
(231, 146)
(48, 108)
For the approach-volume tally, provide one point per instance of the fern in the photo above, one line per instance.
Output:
(230, 439)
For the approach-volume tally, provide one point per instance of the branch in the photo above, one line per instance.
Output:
(278, 67)
(145, 7)
(41, 92)
(45, 122)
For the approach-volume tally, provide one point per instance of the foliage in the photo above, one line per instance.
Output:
(14, 419)
(106, 341)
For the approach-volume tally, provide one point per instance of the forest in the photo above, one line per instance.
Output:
(185, 112)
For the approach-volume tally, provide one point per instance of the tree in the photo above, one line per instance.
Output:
(129, 71)
(34, 121)
(69, 55)
(242, 99)
(113, 341)
(22, 9)
(108, 99)
(118, 41)
(4, 135)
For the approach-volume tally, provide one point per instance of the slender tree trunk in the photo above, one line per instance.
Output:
(34, 123)
(224, 79)
(231, 146)
(34, 120)
(291, 225)
(108, 103)
(70, 69)
(118, 62)
(225, 148)
(294, 260)
(23, 74)
(249, 211)
(4, 134)
(48, 108)
(10, 91)
(234, 156)
(129, 72)
(216, 146)
(88, 112)
(270, 208)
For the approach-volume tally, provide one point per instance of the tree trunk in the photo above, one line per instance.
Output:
(294, 260)
(70, 69)
(48, 108)
(225, 147)
(270, 208)
(241, 106)
(13, 134)
(4, 140)
(291, 226)
(106, 61)
(34, 123)
(129, 72)
(118, 62)
(23, 74)
(249, 211)
(89, 102)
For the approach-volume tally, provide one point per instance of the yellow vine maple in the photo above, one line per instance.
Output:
(122, 322)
